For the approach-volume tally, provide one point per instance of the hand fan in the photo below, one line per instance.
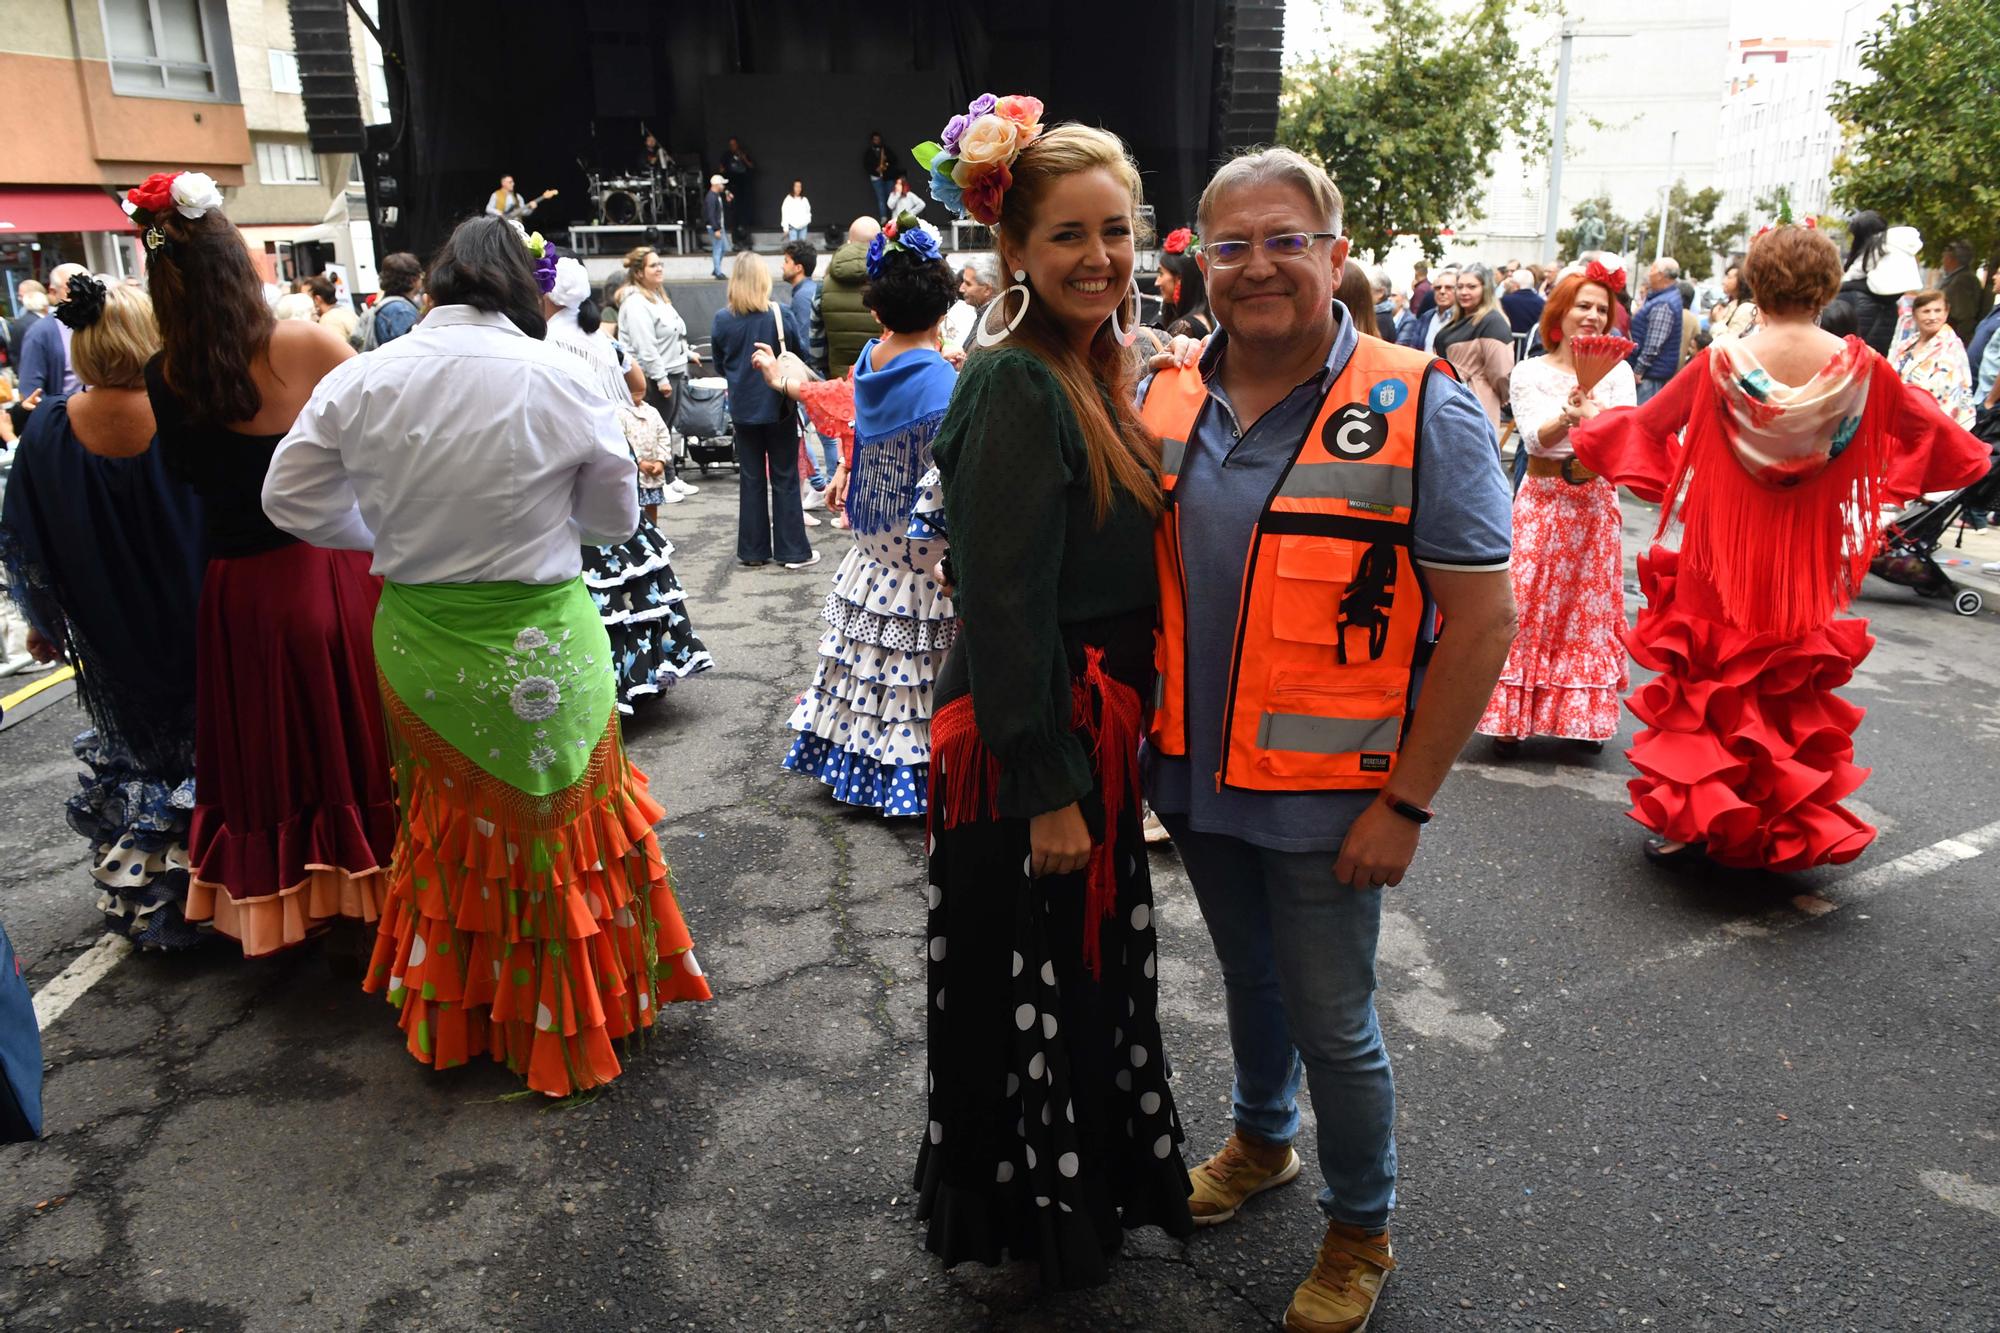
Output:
(1594, 354)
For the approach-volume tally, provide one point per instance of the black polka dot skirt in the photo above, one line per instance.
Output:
(1051, 1126)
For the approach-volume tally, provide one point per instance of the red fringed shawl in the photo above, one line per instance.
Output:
(1107, 716)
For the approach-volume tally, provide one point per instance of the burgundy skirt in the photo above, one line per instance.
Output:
(295, 811)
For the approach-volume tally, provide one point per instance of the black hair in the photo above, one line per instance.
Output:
(399, 272)
(1866, 231)
(1838, 319)
(1193, 298)
(484, 265)
(804, 254)
(911, 294)
(589, 315)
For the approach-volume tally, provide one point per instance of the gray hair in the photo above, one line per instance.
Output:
(1379, 280)
(1669, 266)
(1272, 166)
(985, 269)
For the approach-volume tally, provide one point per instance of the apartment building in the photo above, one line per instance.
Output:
(106, 92)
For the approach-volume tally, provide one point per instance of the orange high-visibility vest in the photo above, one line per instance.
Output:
(1330, 626)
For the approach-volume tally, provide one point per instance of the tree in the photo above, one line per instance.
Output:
(1923, 137)
(1407, 128)
(1693, 236)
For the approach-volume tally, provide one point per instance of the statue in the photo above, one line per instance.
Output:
(1589, 231)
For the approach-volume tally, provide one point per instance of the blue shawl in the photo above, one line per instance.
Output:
(897, 411)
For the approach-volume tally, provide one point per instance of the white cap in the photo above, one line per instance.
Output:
(572, 283)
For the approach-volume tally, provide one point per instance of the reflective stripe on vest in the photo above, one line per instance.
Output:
(1332, 609)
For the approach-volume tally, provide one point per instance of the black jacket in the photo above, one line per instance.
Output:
(1874, 316)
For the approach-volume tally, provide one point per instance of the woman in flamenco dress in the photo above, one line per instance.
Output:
(103, 550)
(295, 807)
(864, 725)
(639, 597)
(529, 912)
(1793, 443)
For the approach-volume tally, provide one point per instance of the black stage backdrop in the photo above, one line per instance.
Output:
(545, 91)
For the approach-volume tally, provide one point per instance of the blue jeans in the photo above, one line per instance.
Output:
(816, 451)
(1649, 387)
(1297, 950)
(797, 234)
(881, 186)
(718, 247)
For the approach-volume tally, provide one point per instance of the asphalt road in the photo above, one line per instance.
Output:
(1628, 1099)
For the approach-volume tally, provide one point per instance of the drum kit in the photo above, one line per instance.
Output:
(656, 199)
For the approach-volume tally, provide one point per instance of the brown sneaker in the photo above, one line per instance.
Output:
(1244, 1167)
(1339, 1295)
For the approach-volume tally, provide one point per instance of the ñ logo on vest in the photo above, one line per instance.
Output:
(1355, 432)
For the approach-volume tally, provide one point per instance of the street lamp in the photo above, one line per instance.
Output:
(1570, 32)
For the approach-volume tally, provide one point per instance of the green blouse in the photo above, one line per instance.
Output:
(1030, 558)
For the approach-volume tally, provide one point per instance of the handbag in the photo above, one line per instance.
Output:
(20, 1052)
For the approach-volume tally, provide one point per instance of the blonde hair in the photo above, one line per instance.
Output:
(1100, 385)
(749, 283)
(113, 352)
(1489, 299)
(1272, 166)
(636, 260)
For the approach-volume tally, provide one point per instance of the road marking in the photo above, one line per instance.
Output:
(85, 970)
(1962, 1190)
(1427, 1006)
(1917, 864)
(21, 696)
(1594, 783)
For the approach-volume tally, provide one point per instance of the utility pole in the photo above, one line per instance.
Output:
(1666, 196)
(1549, 254)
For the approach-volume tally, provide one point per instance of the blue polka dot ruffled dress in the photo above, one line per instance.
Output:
(864, 726)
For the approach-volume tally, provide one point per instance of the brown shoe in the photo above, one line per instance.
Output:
(1244, 1167)
(1339, 1295)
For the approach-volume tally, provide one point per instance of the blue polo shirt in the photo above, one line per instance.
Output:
(1464, 521)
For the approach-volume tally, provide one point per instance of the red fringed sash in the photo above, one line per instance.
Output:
(1107, 715)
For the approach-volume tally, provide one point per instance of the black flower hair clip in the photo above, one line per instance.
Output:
(85, 305)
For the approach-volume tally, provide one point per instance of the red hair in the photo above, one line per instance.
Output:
(1559, 303)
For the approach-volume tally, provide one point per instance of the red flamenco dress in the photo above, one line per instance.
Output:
(1746, 750)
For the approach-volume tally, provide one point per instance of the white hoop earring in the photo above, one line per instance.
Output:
(984, 335)
(1123, 336)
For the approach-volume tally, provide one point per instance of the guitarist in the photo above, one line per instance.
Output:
(505, 202)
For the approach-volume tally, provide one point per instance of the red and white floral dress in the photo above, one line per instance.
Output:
(1746, 749)
(1566, 670)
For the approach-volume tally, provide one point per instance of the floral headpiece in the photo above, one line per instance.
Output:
(192, 194)
(544, 253)
(1181, 241)
(85, 304)
(1610, 279)
(907, 232)
(973, 168)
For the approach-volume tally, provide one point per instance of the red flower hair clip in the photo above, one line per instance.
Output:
(1611, 279)
(1179, 241)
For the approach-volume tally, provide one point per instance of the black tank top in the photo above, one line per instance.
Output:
(224, 467)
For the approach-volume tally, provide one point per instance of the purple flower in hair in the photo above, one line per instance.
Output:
(545, 270)
(981, 105)
(952, 130)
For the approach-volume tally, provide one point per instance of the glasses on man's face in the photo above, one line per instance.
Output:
(1277, 249)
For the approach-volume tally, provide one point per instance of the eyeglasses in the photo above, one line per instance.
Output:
(1277, 249)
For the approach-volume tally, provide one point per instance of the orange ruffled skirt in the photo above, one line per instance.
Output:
(534, 930)
(1746, 747)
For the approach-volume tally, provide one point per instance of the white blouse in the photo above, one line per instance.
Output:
(462, 452)
(1538, 390)
(796, 211)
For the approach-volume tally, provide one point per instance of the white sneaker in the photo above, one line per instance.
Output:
(670, 496)
(683, 488)
(1990, 567)
(811, 499)
(804, 564)
(19, 662)
(811, 522)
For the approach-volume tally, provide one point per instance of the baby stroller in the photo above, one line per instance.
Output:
(703, 423)
(1911, 539)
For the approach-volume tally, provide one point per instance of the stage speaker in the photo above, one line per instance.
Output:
(1251, 59)
(327, 77)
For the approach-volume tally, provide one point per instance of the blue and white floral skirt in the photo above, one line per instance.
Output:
(137, 826)
(644, 611)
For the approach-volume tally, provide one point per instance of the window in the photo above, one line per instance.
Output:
(285, 71)
(159, 46)
(280, 163)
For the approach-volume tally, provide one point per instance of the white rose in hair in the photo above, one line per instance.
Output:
(195, 194)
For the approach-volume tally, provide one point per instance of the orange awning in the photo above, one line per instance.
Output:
(52, 208)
